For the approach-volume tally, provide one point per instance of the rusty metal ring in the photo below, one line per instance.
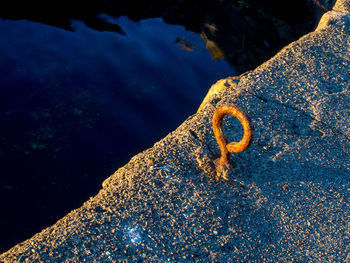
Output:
(232, 147)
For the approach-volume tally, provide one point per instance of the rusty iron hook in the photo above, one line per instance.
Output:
(232, 147)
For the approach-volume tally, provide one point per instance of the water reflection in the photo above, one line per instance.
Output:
(75, 106)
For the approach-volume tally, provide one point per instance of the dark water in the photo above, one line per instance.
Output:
(75, 106)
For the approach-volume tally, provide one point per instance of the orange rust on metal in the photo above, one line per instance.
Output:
(232, 147)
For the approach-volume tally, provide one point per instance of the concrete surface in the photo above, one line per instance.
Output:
(287, 199)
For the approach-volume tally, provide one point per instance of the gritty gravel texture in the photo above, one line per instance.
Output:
(287, 199)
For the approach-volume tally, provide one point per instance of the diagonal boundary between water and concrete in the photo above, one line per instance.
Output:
(286, 198)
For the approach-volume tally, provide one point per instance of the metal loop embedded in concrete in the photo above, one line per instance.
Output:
(236, 147)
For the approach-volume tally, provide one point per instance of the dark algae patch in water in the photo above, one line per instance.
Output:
(86, 88)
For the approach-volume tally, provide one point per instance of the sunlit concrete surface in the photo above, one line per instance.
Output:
(287, 198)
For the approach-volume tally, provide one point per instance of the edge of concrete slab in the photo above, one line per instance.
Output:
(286, 198)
